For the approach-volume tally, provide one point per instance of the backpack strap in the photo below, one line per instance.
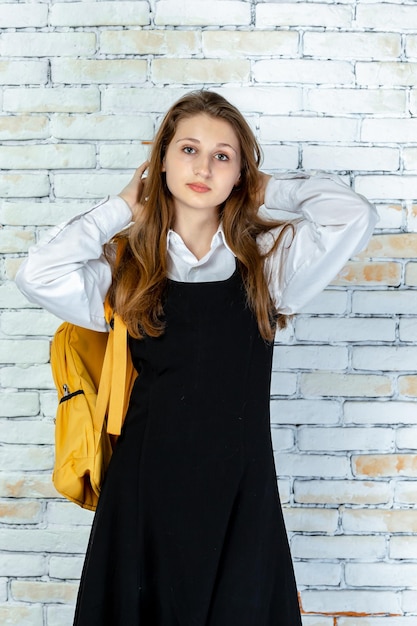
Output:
(117, 371)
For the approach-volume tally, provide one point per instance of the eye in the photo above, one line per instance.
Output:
(222, 157)
(188, 150)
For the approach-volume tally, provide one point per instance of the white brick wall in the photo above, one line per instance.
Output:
(325, 84)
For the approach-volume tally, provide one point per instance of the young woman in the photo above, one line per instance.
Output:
(189, 529)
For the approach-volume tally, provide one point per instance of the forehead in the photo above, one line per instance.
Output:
(203, 127)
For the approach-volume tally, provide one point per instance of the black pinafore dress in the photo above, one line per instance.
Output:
(189, 528)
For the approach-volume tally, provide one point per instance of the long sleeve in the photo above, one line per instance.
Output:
(67, 273)
(331, 224)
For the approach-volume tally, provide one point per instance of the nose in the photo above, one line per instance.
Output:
(202, 166)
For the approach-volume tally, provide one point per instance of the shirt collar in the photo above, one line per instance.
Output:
(174, 240)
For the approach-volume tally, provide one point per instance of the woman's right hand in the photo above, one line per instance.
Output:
(134, 189)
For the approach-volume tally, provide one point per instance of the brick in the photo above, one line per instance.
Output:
(28, 44)
(377, 621)
(384, 358)
(253, 43)
(411, 212)
(387, 187)
(26, 485)
(409, 601)
(215, 13)
(37, 214)
(15, 565)
(21, 72)
(65, 567)
(170, 42)
(68, 513)
(21, 615)
(352, 602)
(404, 547)
(10, 296)
(338, 439)
(26, 351)
(379, 412)
(317, 620)
(379, 521)
(340, 45)
(388, 130)
(324, 465)
(14, 15)
(385, 303)
(206, 71)
(141, 100)
(410, 158)
(105, 127)
(45, 592)
(99, 14)
(407, 386)
(411, 46)
(59, 614)
(20, 513)
(349, 385)
(380, 465)
(328, 302)
(378, 15)
(350, 101)
(411, 274)
(301, 14)
(23, 126)
(390, 216)
(284, 128)
(340, 547)
(13, 240)
(19, 404)
(43, 100)
(279, 158)
(89, 185)
(303, 519)
(48, 403)
(408, 329)
(343, 329)
(47, 156)
(283, 384)
(31, 322)
(341, 492)
(98, 71)
(300, 411)
(387, 74)
(27, 457)
(374, 273)
(30, 377)
(314, 574)
(413, 101)
(24, 185)
(303, 71)
(122, 156)
(27, 431)
(61, 540)
(310, 357)
(351, 158)
(282, 438)
(406, 493)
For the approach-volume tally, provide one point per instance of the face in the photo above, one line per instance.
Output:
(202, 163)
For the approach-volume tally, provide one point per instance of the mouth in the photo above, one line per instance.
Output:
(198, 187)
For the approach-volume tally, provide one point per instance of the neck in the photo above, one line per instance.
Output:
(196, 231)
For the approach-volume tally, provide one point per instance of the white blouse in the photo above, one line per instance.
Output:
(67, 274)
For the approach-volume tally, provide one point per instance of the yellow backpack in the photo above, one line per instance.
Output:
(94, 375)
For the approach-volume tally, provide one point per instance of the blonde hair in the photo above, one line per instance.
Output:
(140, 277)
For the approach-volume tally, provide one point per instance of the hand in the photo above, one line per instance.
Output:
(133, 191)
(263, 180)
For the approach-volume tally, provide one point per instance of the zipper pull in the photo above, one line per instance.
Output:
(66, 390)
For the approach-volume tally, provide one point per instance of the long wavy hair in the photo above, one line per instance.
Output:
(140, 274)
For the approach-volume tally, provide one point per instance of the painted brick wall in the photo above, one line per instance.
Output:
(326, 85)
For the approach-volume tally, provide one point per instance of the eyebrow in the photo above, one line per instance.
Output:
(219, 145)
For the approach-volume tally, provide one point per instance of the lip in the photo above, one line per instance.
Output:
(198, 187)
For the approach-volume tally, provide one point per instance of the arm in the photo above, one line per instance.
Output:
(67, 273)
(331, 224)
